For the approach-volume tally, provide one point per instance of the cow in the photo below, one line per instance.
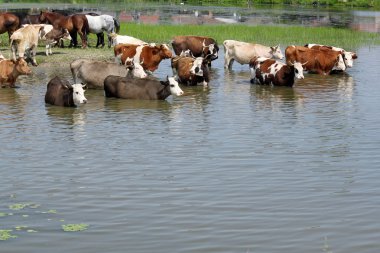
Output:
(124, 39)
(199, 46)
(243, 52)
(149, 56)
(348, 57)
(11, 69)
(140, 88)
(25, 40)
(272, 72)
(62, 93)
(190, 71)
(322, 62)
(93, 73)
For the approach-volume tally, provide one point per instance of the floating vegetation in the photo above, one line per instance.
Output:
(3, 214)
(74, 227)
(18, 228)
(5, 234)
(20, 206)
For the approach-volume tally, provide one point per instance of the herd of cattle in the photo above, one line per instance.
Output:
(130, 76)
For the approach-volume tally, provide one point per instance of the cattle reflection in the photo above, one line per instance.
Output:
(68, 116)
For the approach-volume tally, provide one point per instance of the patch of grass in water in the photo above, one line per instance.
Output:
(74, 227)
(5, 234)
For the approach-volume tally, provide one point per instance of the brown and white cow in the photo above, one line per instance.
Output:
(25, 41)
(322, 62)
(140, 88)
(62, 93)
(243, 52)
(348, 57)
(190, 71)
(272, 72)
(11, 69)
(199, 46)
(149, 56)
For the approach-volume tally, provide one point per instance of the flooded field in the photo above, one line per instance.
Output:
(233, 167)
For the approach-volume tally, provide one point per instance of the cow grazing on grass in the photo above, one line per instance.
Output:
(243, 52)
(140, 88)
(149, 56)
(272, 72)
(93, 73)
(190, 71)
(199, 46)
(11, 69)
(62, 93)
(348, 57)
(25, 41)
(322, 62)
(125, 39)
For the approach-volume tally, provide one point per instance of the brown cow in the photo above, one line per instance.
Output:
(11, 69)
(317, 61)
(191, 71)
(149, 55)
(199, 46)
(348, 57)
(9, 23)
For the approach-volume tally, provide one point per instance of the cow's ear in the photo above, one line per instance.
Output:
(164, 83)
(354, 56)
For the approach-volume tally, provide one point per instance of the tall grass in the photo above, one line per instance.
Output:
(267, 35)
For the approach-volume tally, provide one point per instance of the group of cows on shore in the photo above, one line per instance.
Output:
(130, 76)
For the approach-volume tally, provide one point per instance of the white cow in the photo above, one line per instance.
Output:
(348, 57)
(25, 40)
(125, 39)
(243, 52)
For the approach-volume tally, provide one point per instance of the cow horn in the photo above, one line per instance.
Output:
(303, 64)
(203, 44)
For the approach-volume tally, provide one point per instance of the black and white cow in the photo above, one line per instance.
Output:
(272, 72)
(62, 93)
(130, 87)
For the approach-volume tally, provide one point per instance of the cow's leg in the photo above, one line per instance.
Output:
(227, 64)
(83, 37)
(109, 40)
(74, 40)
(14, 51)
(47, 49)
(33, 52)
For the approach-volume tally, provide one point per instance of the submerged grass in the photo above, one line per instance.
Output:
(266, 35)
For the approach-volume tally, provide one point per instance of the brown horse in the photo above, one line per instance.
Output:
(74, 23)
(9, 23)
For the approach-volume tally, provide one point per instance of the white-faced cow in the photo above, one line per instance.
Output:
(92, 73)
(190, 71)
(348, 57)
(140, 88)
(62, 93)
(322, 62)
(272, 72)
(149, 56)
(243, 52)
(11, 69)
(125, 39)
(25, 41)
(199, 46)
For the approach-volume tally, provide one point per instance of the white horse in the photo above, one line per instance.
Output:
(102, 23)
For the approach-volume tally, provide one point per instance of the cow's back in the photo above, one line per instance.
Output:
(56, 93)
(194, 43)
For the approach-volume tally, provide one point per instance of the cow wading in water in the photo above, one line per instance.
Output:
(140, 88)
(11, 69)
(191, 71)
(199, 46)
(272, 72)
(62, 93)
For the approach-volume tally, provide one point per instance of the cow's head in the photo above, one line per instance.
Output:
(348, 58)
(298, 70)
(164, 51)
(175, 90)
(210, 51)
(136, 68)
(66, 35)
(78, 93)
(196, 68)
(340, 65)
(276, 52)
(22, 66)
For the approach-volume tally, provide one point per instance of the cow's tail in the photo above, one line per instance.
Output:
(117, 25)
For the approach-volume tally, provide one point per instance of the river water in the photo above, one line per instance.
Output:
(233, 167)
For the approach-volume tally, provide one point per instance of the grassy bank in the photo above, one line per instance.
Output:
(266, 35)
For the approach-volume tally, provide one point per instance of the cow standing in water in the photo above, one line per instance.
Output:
(62, 93)
(11, 69)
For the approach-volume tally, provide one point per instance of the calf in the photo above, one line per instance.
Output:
(93, 73)
(271, 72)
(149, 56)
(322, 62)
(62, 93)
(190, 71)
(199, 46)
(25, 40)
(11, 69)
(140, 88)
(53, 36)
(348, 57)
(243, 52)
